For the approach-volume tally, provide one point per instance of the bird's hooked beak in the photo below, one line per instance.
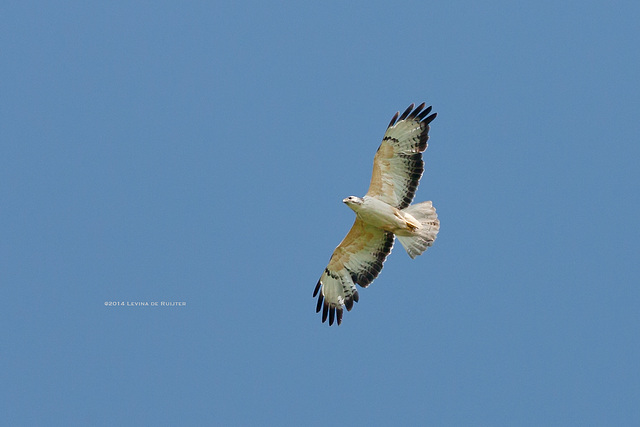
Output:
(352, 202)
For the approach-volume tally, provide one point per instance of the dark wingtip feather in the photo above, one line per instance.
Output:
(356, 297)
(315, 291)
(319, 305)
(415, 112)
(325, 311)
(332, 315)
(406, 113)
(393, 119)
(424, 113)
(430, 118)
(339, 315)
(349, 303)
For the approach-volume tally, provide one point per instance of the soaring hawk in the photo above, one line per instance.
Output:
(383, 213)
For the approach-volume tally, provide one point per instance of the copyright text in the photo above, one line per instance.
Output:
(145, 303)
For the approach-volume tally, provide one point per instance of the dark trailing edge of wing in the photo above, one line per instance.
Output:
(414, 161)
(365, 277)
(362, 279)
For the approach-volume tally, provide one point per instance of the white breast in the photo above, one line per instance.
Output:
(381, 214)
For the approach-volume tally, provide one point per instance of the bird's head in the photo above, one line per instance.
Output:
(353, 202)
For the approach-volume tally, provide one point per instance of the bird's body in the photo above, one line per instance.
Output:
(384, 213)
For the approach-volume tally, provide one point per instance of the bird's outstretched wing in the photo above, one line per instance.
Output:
(398, 165)
(357, 260)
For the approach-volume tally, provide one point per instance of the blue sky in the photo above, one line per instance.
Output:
(199, 152)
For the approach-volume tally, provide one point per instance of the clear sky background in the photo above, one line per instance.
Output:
(199, 152)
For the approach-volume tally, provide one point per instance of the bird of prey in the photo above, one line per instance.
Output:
(383, 213)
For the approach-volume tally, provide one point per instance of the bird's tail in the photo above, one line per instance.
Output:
(424, 236)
